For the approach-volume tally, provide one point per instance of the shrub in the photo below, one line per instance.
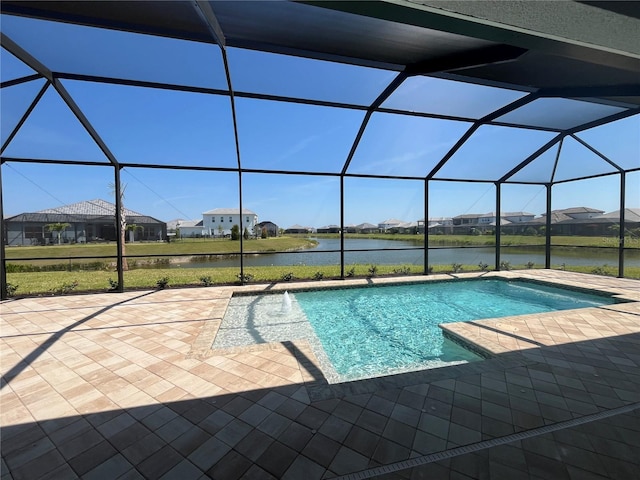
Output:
(603, 270)
(10, 288)
(318, 276)
(162, 282)
(404, 270)
(483, 266)
(530, 265)
(351, 272)
(504, 265)
(66, 287)
(247, 277)
(287, 277)
(245, 234)
(373, 270)
(430, 269)
(113, 285)
(206, 281)
(456, 267)
(263, 234)
(235, 232)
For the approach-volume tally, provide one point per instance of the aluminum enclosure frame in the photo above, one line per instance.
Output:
(453, 65)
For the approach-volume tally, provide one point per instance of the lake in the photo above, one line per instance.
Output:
(327, 253)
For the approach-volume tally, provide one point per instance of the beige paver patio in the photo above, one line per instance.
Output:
(126, 385)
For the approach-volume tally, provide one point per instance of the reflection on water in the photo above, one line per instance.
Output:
(327, 253)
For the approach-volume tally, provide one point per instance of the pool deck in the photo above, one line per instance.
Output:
(127, 386)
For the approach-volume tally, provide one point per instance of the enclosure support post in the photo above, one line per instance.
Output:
(240, 227)
(426, 229)
(498, 233)
(4, 292)
(342, 227)
(119, 233)
(622, 227)
(547, 231)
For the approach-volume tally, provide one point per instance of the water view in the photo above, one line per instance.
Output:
(400, 252)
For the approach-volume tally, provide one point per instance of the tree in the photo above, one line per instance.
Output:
(220, 230)
(264, 232)
(123, 223)
(615, 228)
(131, 228)
(235, 232)
(58, 227)
(245, 234)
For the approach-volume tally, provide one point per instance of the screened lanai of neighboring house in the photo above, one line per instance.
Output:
(339, 107)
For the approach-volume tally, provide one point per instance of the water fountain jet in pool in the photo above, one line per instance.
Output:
(286, 303)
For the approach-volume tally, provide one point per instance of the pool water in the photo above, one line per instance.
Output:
(373, 331)
(378, 330)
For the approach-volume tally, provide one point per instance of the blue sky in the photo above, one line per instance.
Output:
(166, 127)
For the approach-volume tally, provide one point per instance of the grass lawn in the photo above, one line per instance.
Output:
(99, 279)
(180, 247)
(39, 283)
(489, 240)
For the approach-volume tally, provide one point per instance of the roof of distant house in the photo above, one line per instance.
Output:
(555, 218)
(228, 211)
(90, 207)
(298, 227)
(87, 210)
(366, 225)
(493, 214)
(517, 214)
(189, 223)
(475, 215)
(630, 215)
(571, 210)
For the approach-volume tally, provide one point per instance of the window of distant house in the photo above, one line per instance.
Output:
(230, 219)
(221, 219)
(247, 219)
(33, 232)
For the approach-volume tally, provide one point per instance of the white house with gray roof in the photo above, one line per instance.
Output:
(219, 221)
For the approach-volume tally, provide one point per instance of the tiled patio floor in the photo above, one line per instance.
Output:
(125, 386)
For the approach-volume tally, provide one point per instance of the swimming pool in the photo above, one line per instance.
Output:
(373, 331)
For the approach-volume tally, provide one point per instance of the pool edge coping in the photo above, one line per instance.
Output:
(321, 389)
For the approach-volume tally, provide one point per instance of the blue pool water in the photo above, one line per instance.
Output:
(374, 331)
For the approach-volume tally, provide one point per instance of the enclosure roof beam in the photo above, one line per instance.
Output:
(18, 81)
(531, 157)
(446, 63)
(35, 64)
(77, 111)
(491, 55)
(484, 120)
(395, 83)
(25, 57)
(603, 121)
(205, 12)
(25, 116)
(598, 153)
